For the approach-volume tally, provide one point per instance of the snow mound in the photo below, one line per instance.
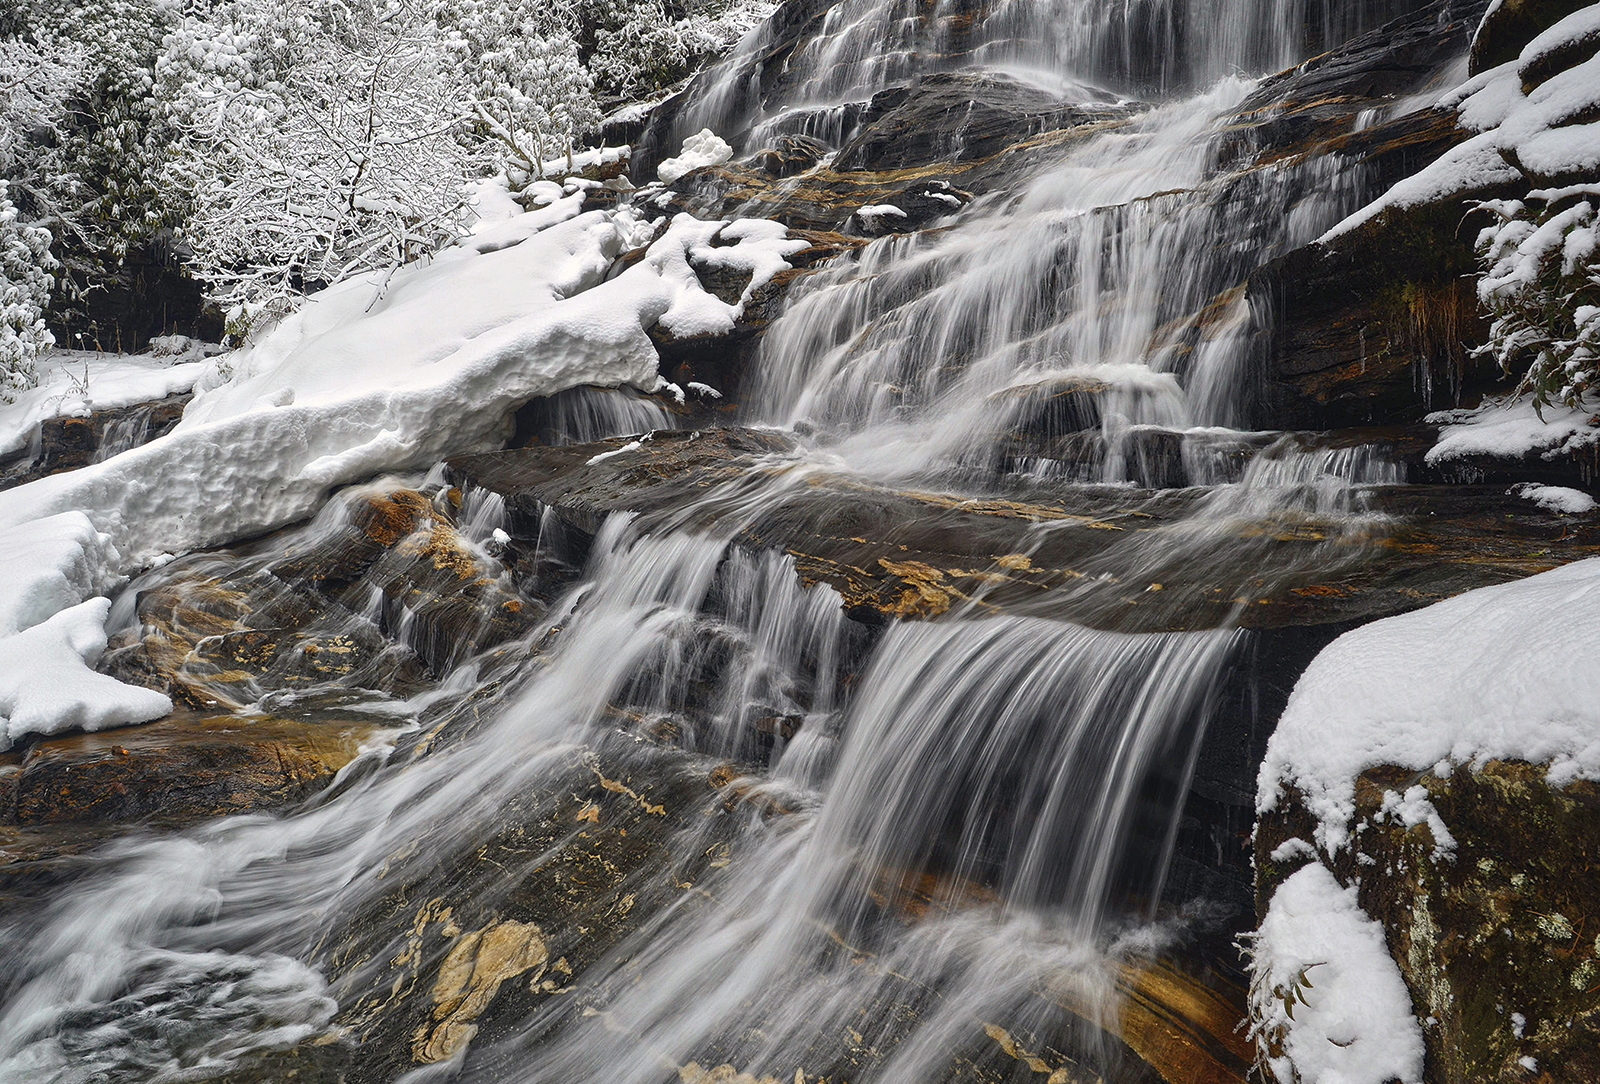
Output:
(50, 565)
(1328, 1002)
(48, 684)
(704, 148)
(1559, 499)
(1511, 428)
(50, 637)
(1500, 672)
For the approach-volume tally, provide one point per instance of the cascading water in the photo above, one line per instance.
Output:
(925, 852)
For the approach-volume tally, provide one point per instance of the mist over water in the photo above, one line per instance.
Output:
(917, 830)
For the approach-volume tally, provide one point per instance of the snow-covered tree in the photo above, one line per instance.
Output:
(529, 91)
(25, 284)
(1541, 281)
(316, 142)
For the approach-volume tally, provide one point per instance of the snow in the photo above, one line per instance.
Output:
(875, 211)
(493, 202)
(1534, 131)
(759, 249)
(1494, 673)
(1292, 848)
(50, 637)
(48, 684)
(72, 383)
(1560, 499)
(367, 376)
(1511, 428)
(1413, 808)
(705, 391)
(704, 148)
(631, 446)
(1324, 986)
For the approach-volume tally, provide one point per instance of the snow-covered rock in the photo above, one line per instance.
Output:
(704, 148)
(1498, 673)
(1525, 132)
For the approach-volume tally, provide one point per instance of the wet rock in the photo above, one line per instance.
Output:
(950, 117)
(499, 927)
(915, 554)
(1315, 106)
(183, 768)
(69, 443)
(827, 198)
(1492, 936)
(790, 155)
(377, 602)
(1375, 327)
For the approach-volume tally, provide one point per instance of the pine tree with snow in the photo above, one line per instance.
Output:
(77, 135)
(25, 285)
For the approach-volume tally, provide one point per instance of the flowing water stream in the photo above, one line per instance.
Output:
(930, 835)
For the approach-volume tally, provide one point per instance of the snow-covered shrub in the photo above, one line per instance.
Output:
(25, 283)
(636, 48)
(1541, 282)
(316, 142)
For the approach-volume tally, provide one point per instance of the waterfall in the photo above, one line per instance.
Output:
(878, 853)
(853, 49)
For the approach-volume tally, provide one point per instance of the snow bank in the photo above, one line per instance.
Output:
(50, 565)
(367, 377)
(1559, 499)
(1328, 1002)
(74, 382)
(704, 148)
(1534, 131)
(1500, 672)
(1512, 428)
